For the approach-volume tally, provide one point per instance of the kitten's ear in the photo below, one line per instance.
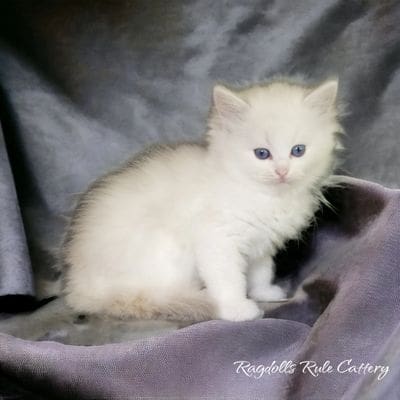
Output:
(228, 105)
(324, 96)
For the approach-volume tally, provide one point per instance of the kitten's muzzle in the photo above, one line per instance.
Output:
(281, 173)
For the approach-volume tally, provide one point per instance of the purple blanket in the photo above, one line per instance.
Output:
(337, 338)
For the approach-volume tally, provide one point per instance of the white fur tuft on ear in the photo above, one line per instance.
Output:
(228, 104)
(324, 96)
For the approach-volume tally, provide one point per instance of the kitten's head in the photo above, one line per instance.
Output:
(278, 134)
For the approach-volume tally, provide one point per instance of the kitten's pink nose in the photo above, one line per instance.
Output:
(281, 171)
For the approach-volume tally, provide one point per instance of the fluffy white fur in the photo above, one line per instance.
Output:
(189, 231)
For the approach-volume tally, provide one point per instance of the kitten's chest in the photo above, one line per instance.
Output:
(267, 225)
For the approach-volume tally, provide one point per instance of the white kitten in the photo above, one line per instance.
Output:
(189, 231)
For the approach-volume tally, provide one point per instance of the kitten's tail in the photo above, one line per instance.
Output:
(193, 306)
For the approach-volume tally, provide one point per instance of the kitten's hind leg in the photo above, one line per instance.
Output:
(260, 276)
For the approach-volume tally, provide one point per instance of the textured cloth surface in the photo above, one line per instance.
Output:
(84, 85)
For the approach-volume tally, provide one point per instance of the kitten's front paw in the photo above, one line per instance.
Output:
(244, 310)
(268, 293)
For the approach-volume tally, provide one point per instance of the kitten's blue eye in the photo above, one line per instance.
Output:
(298, 150)
(262, 153)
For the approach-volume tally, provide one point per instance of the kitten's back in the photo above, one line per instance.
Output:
(126, 244)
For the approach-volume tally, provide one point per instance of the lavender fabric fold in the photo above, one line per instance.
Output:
(16, 274)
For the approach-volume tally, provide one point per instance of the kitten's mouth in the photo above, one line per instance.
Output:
(279, 183)
(282, 180)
